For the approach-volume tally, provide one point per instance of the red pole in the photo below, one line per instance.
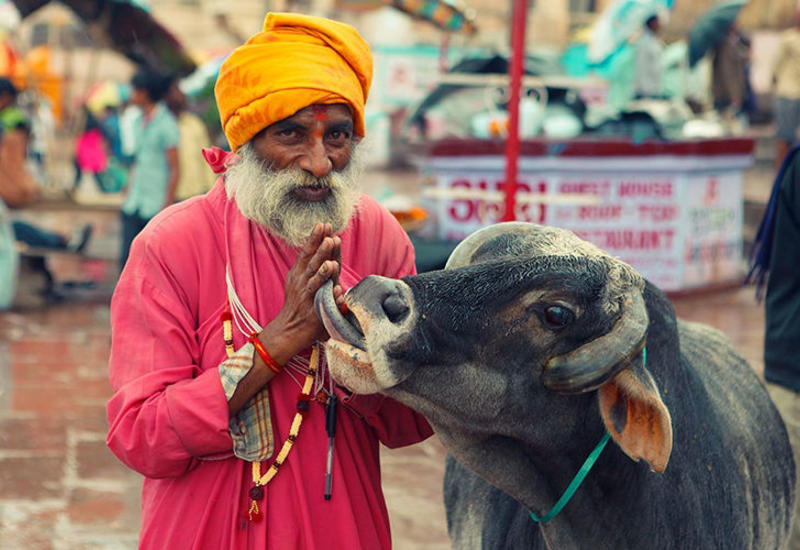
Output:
(518, 20)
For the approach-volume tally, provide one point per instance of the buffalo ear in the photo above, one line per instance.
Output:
(636, 417)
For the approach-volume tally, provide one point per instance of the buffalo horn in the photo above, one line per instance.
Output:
(337, 326)
(591, 365)
(462, 254)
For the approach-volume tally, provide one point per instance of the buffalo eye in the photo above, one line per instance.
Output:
(558, 316)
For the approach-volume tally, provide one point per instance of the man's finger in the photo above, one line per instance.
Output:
(336, 254)
(328, 269)
(338, 295)
(312, 244)
(323, 252)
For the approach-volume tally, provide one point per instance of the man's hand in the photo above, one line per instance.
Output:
(297, 326)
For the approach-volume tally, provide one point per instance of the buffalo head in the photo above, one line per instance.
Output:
(509, 349)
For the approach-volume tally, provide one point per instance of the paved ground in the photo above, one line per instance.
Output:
(60, 488)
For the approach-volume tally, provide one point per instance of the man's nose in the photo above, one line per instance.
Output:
(316, 161)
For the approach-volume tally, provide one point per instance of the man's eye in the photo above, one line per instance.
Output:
(289, 132)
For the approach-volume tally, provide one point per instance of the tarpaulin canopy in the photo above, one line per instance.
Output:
(126, 27)
(444, 14)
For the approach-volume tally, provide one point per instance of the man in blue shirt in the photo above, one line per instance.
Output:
(154, 176)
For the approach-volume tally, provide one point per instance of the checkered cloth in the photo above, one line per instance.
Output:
(251, 427)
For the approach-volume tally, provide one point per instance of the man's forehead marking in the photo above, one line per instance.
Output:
(320, 112)
(321, 117)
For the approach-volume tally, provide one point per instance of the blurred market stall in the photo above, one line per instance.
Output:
(622, 172)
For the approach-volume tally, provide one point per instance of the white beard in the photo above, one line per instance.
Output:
(266, 196)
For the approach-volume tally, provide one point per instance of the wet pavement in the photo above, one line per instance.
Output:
(61, 489)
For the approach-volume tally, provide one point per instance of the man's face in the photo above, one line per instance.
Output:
(175, 98)
(139, 97)
(317, 139)
(297, 172)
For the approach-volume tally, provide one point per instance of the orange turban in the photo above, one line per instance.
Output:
(296, 61)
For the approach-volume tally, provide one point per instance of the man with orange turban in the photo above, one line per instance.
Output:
(221, 387)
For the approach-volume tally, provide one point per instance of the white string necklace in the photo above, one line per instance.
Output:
(243, 320)
(297, 366)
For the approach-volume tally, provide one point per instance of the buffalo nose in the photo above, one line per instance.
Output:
(395, 307)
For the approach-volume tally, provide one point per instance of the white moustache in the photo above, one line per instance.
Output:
(268, 196)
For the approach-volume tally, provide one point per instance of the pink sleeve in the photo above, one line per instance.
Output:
(165, 412)
(395, 424)
(399, 257)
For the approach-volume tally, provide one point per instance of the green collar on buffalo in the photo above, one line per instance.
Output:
(581, 475)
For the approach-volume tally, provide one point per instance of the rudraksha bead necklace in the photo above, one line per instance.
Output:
(256, 492)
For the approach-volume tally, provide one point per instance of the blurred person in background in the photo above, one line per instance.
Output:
(648, 82)
(221, 392)
(18, 187)
(155, 170)
(786, 89)
(95, 155)
(729, 69)
(110, 123)
(129, 113)
(43, 127)
(195, 176)
(773, 268)
(776, 253)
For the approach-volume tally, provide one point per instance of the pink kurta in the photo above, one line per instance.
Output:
(169, 416)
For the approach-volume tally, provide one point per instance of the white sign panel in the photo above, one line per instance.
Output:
(713, 222)
(679, 230)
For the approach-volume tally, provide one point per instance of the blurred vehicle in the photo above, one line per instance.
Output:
(470, 101)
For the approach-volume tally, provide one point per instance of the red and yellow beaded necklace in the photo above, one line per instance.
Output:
(256, 492)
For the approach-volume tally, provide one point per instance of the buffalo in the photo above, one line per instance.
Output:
(528, 352)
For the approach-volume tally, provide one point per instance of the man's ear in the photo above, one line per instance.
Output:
(636, 417)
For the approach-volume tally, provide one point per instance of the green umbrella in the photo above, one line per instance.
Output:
(711, 28)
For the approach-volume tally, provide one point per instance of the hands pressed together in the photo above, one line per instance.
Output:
(297, 326)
